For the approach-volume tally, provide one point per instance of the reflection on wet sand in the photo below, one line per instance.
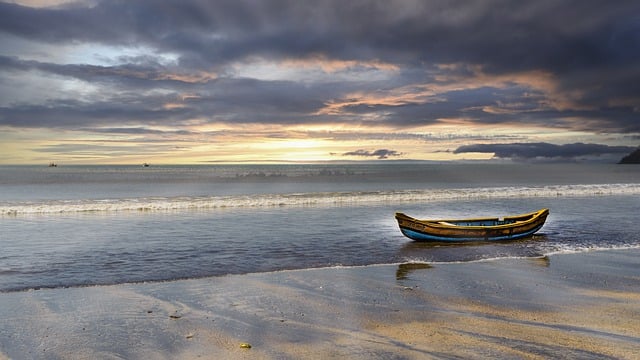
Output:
(573, 306)
(404, 269)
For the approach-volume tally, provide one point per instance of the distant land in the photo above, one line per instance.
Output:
(633, 158)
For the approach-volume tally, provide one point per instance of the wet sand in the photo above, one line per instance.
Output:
(583, 306)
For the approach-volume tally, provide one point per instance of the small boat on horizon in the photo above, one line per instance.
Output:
(468, 230)
(52, 164)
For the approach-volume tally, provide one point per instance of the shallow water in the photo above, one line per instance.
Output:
(193, 224)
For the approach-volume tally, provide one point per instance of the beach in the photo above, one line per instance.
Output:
(307, 262)
(344, 180)
(583, 305)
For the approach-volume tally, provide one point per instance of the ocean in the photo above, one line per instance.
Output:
(71, 226)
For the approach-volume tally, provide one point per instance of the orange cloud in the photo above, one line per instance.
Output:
(464, 77)
(461, 77)
(394, 97)
(334, 65)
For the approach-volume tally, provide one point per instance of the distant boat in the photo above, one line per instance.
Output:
(145, 165)
(483, 229)
(52, 164)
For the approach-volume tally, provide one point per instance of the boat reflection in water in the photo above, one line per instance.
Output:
(405, 269)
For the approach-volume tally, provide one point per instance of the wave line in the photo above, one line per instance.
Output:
(311, 199)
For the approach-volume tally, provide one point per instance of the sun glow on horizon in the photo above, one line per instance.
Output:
(262, 144)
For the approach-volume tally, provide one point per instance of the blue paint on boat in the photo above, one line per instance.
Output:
(419, 236)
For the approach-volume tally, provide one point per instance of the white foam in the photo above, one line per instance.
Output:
(311, 199)
(576, 249)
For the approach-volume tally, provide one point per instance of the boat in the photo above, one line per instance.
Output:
(468, 230)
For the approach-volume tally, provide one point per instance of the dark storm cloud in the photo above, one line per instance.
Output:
(544, 150)
(73, 114)
(150, 74)
(226, 100)
(591, 49)
(499, 33)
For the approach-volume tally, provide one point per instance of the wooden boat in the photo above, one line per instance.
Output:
(484, 229)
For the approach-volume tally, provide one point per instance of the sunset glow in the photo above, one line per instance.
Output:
(248, 82)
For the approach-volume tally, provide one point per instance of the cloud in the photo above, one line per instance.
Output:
(380, 153)
(538, 34)
(133, 75)
(365, 64)
(544, 150)
(138, 131)
(100, 151)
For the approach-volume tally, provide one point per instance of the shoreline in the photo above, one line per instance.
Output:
(580, 305)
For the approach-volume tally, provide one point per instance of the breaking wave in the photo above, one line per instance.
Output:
(310, 199)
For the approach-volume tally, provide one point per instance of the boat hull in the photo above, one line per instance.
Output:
(469, 230)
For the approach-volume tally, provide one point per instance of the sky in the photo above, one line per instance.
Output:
(276, 81)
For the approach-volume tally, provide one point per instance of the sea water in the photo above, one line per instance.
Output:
(96, 225)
